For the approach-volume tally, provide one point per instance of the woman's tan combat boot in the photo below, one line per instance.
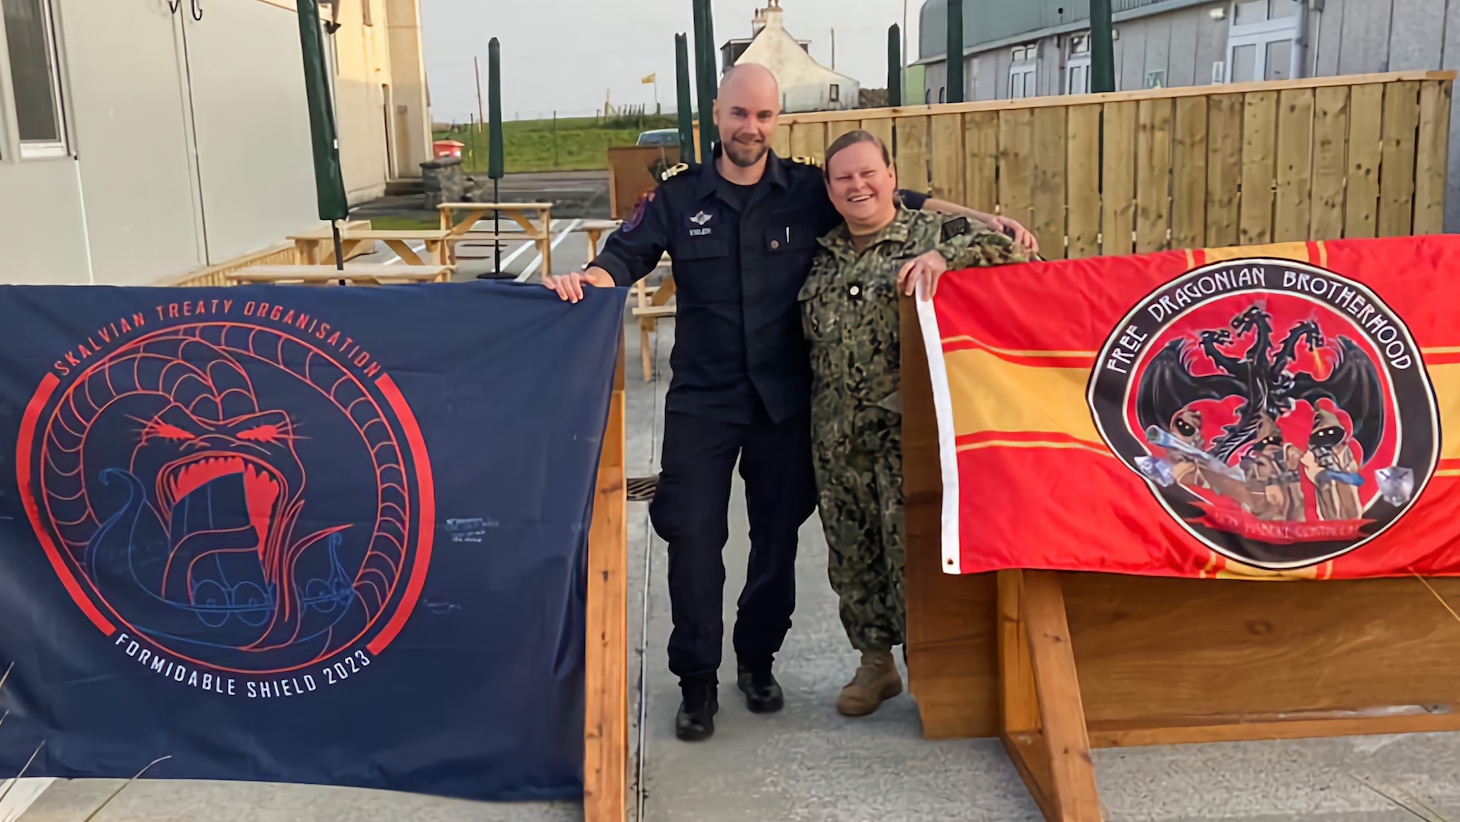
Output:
(876, 681)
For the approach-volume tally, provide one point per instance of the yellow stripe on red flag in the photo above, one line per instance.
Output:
(1045, 406)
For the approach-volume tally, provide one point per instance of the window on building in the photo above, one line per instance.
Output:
(1077, 65)
(1022, 72)
(1248, 12)
(31, 48)
(836, 93)
(1260, 40)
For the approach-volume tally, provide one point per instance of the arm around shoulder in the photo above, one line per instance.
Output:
(974, 248)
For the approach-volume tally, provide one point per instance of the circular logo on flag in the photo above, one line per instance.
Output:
(235, 497)
(1279, 412)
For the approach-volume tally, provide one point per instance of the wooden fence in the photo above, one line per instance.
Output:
(1189, 167)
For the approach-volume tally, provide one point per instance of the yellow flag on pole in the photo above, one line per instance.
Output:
(648, 78)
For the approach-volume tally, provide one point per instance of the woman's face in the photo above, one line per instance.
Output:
(860, 184)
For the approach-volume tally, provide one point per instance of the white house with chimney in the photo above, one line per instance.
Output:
(806, 85)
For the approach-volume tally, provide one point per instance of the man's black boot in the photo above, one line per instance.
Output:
(762, 691)
(697, 708)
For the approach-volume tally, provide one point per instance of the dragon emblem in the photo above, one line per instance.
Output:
(1277, 411)
(193, 508)
(1262, 377)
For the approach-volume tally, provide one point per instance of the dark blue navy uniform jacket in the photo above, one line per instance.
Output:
(737, 273)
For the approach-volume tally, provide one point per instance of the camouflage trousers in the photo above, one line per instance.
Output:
(858, 459)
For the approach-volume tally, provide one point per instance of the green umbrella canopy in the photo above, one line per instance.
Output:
(684, 92)
(894, 67)
(329, 185)
(494, 109)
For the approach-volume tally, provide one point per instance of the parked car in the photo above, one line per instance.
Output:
(659, 137)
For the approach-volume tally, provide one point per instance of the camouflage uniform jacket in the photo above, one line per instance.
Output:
(849, 304)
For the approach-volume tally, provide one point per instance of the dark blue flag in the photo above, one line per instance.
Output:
(325, 535)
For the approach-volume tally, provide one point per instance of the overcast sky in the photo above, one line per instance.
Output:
(569, 54)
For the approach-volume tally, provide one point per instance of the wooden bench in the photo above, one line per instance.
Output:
(317, 247)
(356, 273)
(650, 309)
(457, 220)
(595, 229)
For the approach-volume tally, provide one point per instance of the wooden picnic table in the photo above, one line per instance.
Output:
(317, 247)
(457, 220)
(595, 229)
(356, 273)
(650, 309)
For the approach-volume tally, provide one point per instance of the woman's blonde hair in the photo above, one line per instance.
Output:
(849, 139)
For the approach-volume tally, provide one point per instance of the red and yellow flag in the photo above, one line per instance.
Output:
(1259, 412)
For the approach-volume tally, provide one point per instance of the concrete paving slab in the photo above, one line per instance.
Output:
(165, 800)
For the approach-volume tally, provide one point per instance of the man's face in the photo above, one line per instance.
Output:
(746, 114)
(860, 183)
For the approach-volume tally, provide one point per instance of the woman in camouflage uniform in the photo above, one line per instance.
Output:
(849, 311)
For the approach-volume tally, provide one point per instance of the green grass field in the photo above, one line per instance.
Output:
(574, 144)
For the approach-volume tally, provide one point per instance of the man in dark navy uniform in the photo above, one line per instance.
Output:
(741, 233)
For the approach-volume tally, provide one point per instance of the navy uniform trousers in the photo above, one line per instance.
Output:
(690, 511)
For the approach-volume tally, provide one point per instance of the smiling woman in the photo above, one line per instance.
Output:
(850, 318)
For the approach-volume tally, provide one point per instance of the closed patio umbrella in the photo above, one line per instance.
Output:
(329, 185)
(495, 160)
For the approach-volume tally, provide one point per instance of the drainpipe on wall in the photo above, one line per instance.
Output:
(1300, 43)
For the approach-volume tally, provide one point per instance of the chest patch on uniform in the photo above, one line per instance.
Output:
(955, 227)
(699, 219)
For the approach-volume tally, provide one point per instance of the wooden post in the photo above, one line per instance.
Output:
(1046, 739)
(605, 685)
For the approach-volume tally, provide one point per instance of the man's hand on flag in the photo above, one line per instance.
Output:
(570, 286)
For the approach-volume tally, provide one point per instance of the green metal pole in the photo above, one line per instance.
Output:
(710, 85)
(1102, 47)
(955, 51)
(686, 102)
(704, 78)
(894, 66)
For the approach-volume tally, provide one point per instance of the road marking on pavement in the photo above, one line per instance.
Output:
(527, 245)
(394, 257)
(524, 246)
(537, 261)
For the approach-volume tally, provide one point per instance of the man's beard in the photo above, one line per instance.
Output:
(744, 155)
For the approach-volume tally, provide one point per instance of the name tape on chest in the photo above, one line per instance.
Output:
(954, 227)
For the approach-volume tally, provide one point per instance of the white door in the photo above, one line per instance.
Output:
(1079, 76)
(1260, 40)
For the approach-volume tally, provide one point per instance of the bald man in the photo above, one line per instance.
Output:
(741, 232)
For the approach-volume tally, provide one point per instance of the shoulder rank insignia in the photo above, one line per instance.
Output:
(954, 227)
(806, 161)
(670, 172)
